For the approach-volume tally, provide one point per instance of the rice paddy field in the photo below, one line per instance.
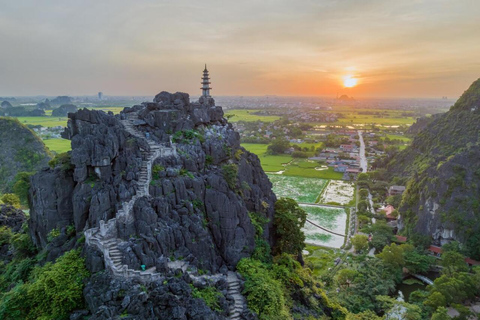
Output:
(247, 115)
(58, 145)
(338, 192)
(301, 189)
(269, 163)
(334, 219)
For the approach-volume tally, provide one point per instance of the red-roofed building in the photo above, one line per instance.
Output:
(401, 238)
(437, 251)
(472, 262)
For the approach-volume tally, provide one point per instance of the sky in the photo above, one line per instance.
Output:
(407, 48)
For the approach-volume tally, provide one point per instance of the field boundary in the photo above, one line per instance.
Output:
(321, 192)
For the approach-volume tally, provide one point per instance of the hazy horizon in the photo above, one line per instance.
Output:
(402, 50)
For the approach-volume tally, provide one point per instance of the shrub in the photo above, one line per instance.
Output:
(52, 292)
(63, 160)
(289, 221)
(210, 295)
(156, 170)
(5, 235)
(230, 172)
(11, 199)
(53, 234)
(264, 294)
(22, 185)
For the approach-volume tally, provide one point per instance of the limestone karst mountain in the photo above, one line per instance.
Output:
(441, 169)
(162, 189)
(21, 150)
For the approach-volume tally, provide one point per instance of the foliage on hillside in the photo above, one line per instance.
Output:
(22, 151)
(442, 174)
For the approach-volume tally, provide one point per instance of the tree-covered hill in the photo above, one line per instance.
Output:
(441, 170)
(20, 150)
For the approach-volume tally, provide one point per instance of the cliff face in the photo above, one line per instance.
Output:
(162, 186)
(20, 150)
(443, 171)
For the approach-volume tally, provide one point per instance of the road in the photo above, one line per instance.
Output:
(363, 158)
(364, 166)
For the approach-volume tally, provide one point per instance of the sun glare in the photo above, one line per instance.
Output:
(349, 81)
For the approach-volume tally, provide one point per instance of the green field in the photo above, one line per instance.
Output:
(306, 168)
(44, 121)
(58, 145)
(49, 121)
(300, 189)
(269, 163)
(398, 137)
(246, 115)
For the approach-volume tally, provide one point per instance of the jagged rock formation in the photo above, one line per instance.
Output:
(443, 171)
(165, 187)
(20, 150)
(63, 110)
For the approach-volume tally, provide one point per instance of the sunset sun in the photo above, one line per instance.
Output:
(349, 81)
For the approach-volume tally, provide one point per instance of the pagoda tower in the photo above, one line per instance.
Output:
(205, 83)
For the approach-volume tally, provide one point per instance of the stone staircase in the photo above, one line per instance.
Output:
(234, 290)
(105, 237)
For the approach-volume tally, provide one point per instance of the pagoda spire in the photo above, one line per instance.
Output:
(205, 83)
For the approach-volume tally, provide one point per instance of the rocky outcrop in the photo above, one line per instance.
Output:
(20, 150)
(163, 186)
(443, 173)
(63, 110)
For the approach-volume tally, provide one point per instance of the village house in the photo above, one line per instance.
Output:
(394, 190)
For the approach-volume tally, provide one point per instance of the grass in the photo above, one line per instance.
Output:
(397, 137)
(298, 188)
(306, 168)
(58, 145)
(49, 121)
(269, 163)
(44, 121)
(246, 115)
(320, 259)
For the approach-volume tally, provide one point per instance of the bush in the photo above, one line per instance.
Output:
(210, 295)
(264, 293)
(11, 199)
(63, 160)
(53, 234)
(289, 221)
(5, 235)
(22, 185)
(230, 172)
(52, 292)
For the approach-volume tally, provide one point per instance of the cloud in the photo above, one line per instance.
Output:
(252, 47)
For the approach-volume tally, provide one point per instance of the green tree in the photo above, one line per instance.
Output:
(365, 315)
(289, 221)
(435, 300)
(417, 262)
(453, 262)
(278, 146)
(359, 242)
(345, 277)
(11, 199)
(22, 185)
(393, 255)
(441, 314)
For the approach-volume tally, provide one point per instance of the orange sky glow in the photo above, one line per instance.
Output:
(410, 48)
